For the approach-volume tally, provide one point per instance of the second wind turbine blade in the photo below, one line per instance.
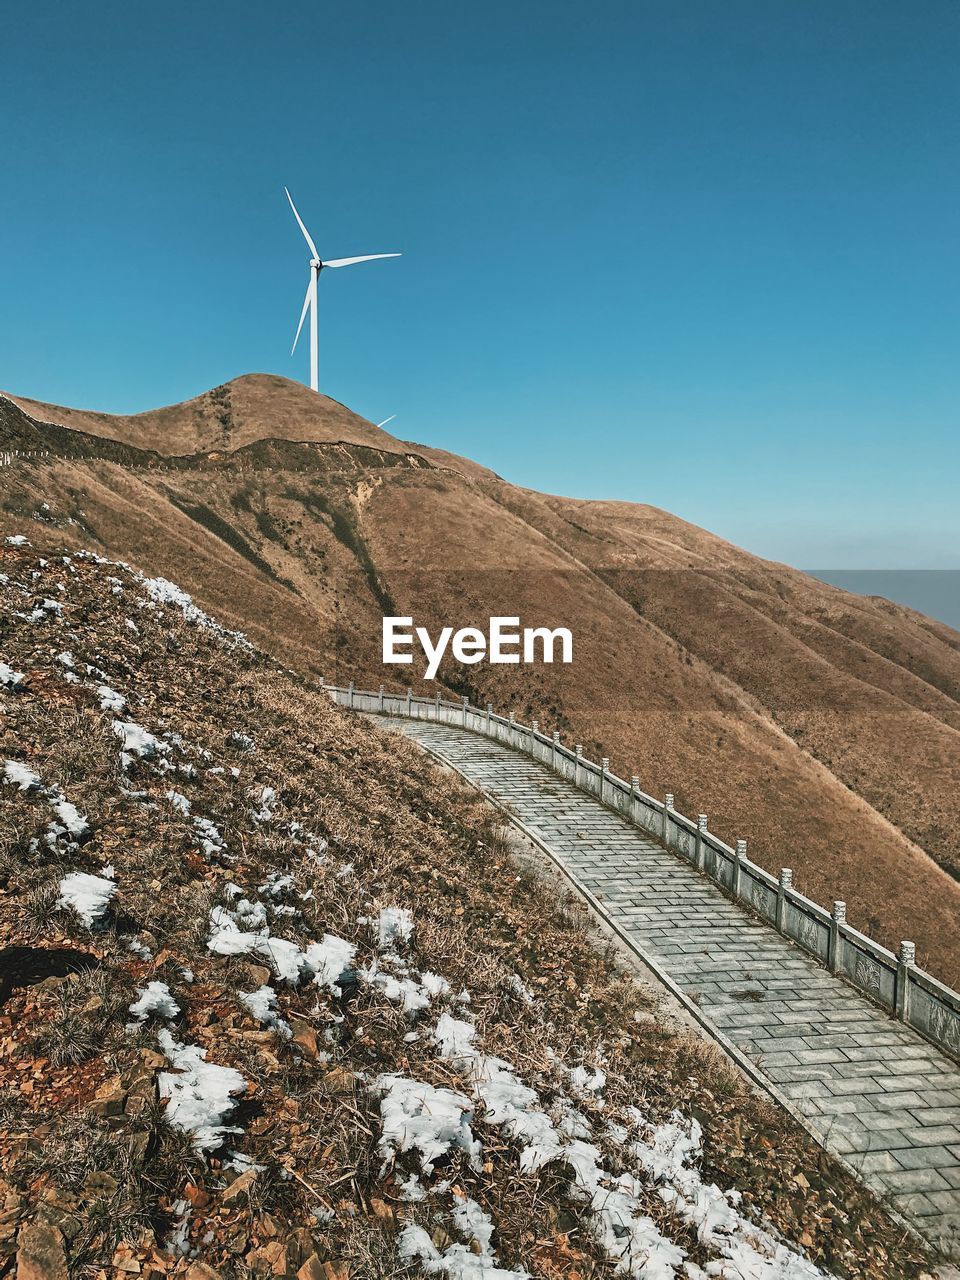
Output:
(306, 233)
(366, 257)
(303, 315)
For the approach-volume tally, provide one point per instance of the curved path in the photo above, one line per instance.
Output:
(870, 1089)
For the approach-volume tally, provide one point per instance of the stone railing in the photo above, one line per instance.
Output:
(892, 981)
(9, 456)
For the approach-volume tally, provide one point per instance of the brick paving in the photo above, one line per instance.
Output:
(873, 1091)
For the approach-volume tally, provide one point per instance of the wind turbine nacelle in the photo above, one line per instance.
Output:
(316, 264)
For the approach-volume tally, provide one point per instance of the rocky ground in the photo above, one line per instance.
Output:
(276, 999)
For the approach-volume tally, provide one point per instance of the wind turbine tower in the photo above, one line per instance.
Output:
(317, 264)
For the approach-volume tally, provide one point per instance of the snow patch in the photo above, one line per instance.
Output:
(73, 820)
(88, 895)
(137, 741)
(9, 678)
(326, 962)
(458, 1261)
(179, 802)
(430, 1121)
(154, 998)
(262, 1005)
(393, 924)
(110, 700)
(20, 775)
(201, 1095)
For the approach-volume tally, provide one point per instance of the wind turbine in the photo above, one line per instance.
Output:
(317, 264)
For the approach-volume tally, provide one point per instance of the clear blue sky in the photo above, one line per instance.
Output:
(698, 254)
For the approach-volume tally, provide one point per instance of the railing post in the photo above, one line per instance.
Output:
(437, 711)
(698, 855)
(837, 918)
(351, 695)
(577, 765)
(905, 962)
(667, 806)
(604, 769)
(785, 882)
(489, 714)
(466, 703)
(739, 853)
(534, 730)
(553, 750)
(381, 697)
(409, 700)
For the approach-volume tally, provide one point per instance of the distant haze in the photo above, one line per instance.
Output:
(935, 592)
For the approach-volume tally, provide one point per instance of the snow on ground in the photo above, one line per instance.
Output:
(20, 775)
(585, 1082)
(73, 820)
(161, 591)
(393, 925)
(474, 1260)
(419, 1117)
(200, 1095)
(212, 844)
(88, 895)
(154, 998)
(667, 1153)
(267, 802)
(70, 821)
(326, 961)
(179, 802)
(137, 741)
(9, 678)
(663, 1154)
(262, 1005)
(509, 1103)
(110, 700)
(421, 1120)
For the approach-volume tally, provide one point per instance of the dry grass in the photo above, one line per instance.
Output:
(410, 835)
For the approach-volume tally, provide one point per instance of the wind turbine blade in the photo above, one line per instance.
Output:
(306, 233)
(303, 315)
(385, 421)
(367, 257)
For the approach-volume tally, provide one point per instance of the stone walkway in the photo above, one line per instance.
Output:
(874, 1092)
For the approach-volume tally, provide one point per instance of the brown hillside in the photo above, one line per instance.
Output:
(823, 727)
(237, 930)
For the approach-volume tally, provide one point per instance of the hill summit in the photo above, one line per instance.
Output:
(250, 408)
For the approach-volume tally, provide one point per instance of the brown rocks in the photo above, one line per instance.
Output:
(312, 1269)
(238, 1192)
(200, 1271)
(109, 1099)
(40, 1254)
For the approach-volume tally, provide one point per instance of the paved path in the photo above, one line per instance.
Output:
(875, 1092)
